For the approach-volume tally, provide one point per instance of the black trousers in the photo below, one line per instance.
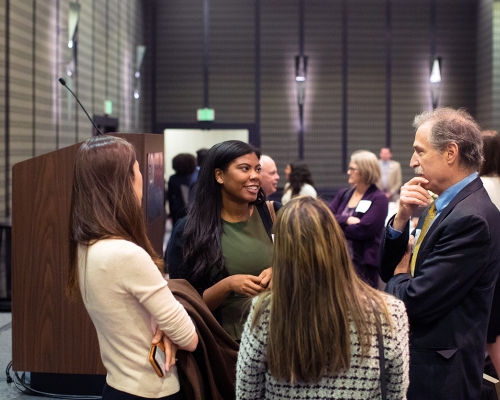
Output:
(109, 393)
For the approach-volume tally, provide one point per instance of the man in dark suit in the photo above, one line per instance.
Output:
(448, 285)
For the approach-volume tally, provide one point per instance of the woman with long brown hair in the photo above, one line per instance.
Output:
(118, 273)
(315, 334)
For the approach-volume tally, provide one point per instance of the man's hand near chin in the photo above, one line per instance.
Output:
(411, 197)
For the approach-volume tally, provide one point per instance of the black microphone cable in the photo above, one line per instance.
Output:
(63, 82)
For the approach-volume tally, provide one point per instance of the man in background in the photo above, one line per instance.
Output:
(446, 276)
(268, 175)
(391, 177)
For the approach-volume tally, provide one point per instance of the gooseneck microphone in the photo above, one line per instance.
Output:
(63, 82)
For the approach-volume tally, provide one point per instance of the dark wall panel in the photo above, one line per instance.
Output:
(456, 43)
(323, 105)
(496, 66)
(484, 73)
(366, 77)
(232, 66)
(410, 80)
(179, 60)
(279, 123)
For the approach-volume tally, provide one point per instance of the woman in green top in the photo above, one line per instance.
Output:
(223, 246)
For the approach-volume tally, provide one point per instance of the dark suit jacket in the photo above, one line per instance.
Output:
(449, 299)
(365, 236)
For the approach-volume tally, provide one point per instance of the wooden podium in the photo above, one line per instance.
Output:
(50, 333)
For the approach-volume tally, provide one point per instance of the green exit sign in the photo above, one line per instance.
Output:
(206, 114)
(108, 107)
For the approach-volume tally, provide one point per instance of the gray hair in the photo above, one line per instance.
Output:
(368, 166)
(458, 126)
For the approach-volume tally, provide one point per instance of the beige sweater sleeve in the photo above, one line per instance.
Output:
(143, 280)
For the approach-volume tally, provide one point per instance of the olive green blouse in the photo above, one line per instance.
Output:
(247, 249)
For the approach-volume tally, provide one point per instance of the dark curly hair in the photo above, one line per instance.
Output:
(184, 164)
(299, 175)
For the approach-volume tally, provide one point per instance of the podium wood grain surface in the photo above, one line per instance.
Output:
(51, 333)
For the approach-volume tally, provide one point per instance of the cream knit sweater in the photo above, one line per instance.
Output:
(126, 296)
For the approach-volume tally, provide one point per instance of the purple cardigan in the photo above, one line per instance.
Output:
(365, 236)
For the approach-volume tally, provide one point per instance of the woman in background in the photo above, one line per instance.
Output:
(361, 210)
(489, 173)
(490, 169)
(315, 334)
(300, 182)
(223, 246)
(119, 274)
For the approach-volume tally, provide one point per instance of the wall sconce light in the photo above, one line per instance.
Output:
(300, 78)
(73, 18)
(140, 50)
(435, 80)
(70, 67)
(139, 56)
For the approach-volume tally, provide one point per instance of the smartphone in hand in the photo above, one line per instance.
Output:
(157, 358)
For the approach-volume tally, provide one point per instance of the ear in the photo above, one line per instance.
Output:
(219, 176)
(452, 155)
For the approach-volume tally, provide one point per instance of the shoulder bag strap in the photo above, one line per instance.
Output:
(266, 218)
(381, 359)
(272, 212)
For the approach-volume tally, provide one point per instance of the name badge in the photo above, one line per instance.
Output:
(363, 206)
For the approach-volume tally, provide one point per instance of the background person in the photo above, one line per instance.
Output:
(361, 210)
(490, 168)
(200, 159)
(301, 343)
(300, 182)
(118, 272)
(447, 283)
(268, 175)
(489, 173)
(184, 165)
(391, 177)
(223, 246)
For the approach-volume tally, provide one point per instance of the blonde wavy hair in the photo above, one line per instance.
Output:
(315, 296)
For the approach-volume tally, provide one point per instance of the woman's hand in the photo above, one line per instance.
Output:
(266, 277)
(248, 285)
(170, 348)
(353, 221)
